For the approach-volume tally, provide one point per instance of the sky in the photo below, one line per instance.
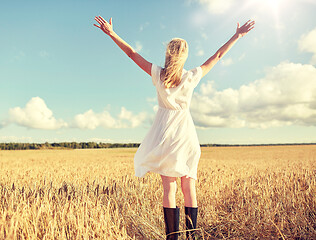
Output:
(62, 79)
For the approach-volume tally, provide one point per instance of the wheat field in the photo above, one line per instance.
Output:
(266, 192)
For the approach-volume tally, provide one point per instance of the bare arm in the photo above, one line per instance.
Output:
(107, 28)
(240, 32)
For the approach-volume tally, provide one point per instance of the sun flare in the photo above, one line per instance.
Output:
(274, 4)
(271, 4)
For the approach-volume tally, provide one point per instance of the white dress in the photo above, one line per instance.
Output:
(171, 147)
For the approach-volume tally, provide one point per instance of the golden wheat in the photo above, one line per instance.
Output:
(243, 193)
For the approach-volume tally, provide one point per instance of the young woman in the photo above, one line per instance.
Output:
(171, 147)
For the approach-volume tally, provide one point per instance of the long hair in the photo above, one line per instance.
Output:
(176, 55)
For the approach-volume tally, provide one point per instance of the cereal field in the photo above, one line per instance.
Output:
(243, 193)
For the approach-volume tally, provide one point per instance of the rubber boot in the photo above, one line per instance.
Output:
(190, 221)
(172, 222)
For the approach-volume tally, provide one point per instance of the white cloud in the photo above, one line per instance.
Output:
(35, 115)
(207, 88)
(227, 61)
(38, 116)
(92, 120)
(138, 46)
(307, 43)
(285, 96)
(128, 120)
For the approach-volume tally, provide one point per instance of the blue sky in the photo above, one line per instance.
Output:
(62, 79)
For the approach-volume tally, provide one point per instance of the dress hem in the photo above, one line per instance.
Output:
(180, 176)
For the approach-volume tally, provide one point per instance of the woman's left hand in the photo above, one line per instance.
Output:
(105, 26)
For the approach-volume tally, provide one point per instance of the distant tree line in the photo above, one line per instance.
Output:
(254, 145)
(65, 145)
(87, 145)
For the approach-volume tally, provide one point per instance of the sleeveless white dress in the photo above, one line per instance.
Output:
(171, 147)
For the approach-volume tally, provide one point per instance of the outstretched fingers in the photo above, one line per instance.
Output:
(251, 28)
(98, 20)
(251, 25)
(248, 25)
(105, 26)
(102, 19)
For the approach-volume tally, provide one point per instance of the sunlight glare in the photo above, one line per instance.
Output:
(272, 4)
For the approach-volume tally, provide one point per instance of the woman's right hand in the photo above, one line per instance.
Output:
(106, 27)
(244, 29)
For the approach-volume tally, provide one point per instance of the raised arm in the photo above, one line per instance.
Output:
(240, 32)
(107, 28)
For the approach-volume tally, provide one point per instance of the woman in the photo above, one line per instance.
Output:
(171, 147)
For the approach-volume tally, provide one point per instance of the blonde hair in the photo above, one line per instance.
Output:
(176, 55)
